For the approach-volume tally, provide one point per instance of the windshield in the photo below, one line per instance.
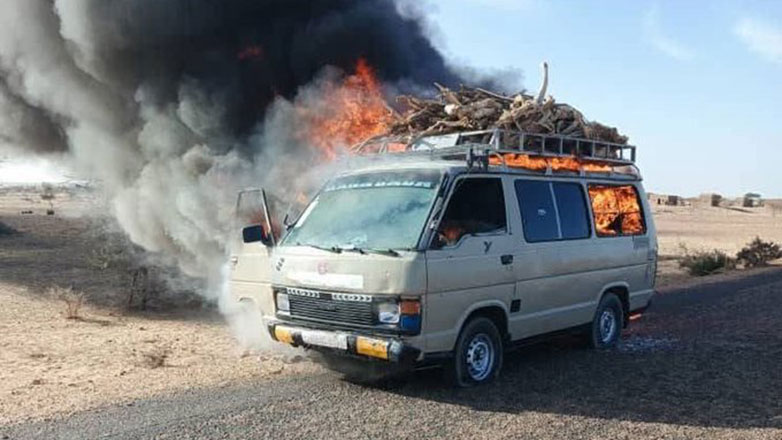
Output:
(383, 210)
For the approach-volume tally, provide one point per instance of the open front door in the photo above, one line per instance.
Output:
(258, 231)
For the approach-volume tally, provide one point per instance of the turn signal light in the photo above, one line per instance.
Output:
(410, 307)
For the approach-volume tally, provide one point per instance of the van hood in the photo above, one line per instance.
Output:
(310, 268)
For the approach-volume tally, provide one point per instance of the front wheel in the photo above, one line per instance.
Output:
(478, 355)
(608, 322)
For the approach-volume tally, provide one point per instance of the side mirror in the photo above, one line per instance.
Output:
(287, 223)
(255, 234)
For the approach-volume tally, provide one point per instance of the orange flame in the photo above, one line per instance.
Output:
(537, 163)
(355, 111)
(250, 52)
(617, 210)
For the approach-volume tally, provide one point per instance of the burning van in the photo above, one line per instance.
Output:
(456, 249)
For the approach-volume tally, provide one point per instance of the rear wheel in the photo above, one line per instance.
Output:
(608, 322)
(478, 355)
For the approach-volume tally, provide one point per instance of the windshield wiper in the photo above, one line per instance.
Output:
(389, 252)
(335, 249)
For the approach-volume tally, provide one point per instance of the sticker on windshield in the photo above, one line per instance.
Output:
(382, 184)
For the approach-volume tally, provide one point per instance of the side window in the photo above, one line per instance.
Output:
(477, 206)
(617, 210)
(538, 214)
(572, 209)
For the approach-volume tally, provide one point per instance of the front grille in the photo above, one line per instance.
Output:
(336, 308)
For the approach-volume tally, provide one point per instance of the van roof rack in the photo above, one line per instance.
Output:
(499, 142)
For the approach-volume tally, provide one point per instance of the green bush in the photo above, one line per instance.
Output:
(759, 253)
(700, 263)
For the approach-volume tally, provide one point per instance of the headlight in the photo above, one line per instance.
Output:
(283, 305)
(388, 313)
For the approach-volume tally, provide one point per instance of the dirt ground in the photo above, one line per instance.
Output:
(52, 366)
(704, 228)
(694, 228)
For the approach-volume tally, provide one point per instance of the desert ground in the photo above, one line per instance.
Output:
(113, 351)
(113, 354)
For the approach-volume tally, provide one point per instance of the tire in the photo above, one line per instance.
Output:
(607, 324)
(478, 354)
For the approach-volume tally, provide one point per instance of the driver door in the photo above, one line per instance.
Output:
(470, 262)
(251, 258)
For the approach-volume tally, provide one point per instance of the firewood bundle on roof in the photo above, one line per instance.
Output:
(477, 109)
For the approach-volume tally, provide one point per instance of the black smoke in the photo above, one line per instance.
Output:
(242, 54)
(174, 105)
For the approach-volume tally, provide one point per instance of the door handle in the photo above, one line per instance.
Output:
(506, 260)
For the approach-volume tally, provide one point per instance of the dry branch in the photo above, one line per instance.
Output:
(479, 109)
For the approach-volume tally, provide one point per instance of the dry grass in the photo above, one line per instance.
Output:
(693, 230)
(700, 263)
(759, 253)
(73, 300)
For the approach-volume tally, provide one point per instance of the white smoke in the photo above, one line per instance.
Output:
(150, 99)
(170, 171)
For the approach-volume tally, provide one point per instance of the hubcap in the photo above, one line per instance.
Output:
(480, 357)
(608, 325)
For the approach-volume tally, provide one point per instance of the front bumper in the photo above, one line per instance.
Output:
(343, 342)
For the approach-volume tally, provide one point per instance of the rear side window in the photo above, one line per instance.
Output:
(477, 206)
(538, 214)
(552, 210)
(617, 210)
(572, 209)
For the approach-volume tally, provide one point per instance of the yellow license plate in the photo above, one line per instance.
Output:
(283, 335)
(372, 347)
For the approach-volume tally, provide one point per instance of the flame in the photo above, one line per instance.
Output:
(250, 52)
(617, 210)
(356, 111)
(538, 163)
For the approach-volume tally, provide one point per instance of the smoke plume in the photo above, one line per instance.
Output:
(175, 105)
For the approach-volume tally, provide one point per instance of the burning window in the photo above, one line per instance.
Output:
(477, 206)
(617, 210)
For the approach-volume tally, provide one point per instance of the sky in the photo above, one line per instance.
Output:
(27, 171)
(696, 85)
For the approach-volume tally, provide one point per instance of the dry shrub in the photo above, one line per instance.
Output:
(73, 300)
(156, 358)
(107, 255)
(700, 263)
(759, 253)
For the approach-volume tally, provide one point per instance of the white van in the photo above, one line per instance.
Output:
(458, 249)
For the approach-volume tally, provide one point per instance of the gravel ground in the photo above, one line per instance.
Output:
(51, 366)
(703, 363)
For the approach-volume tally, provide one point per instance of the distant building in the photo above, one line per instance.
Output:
(711, 199)
(656, 199)
(752, 200)
(665, 199)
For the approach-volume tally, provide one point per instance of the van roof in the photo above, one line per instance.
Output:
(386, 162)
(502, 152)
